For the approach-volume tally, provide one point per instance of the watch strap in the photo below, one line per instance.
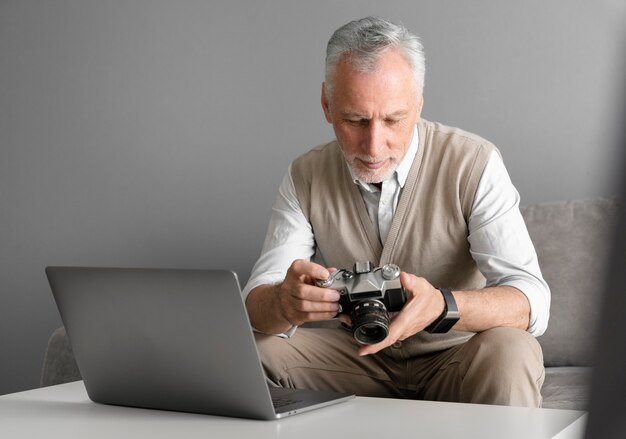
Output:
(448, 317)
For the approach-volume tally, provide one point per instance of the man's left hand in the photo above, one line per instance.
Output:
(424, 304)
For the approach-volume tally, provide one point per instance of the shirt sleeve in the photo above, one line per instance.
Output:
(289, 237)
(500, 243)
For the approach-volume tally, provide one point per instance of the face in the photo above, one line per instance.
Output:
(373, 115)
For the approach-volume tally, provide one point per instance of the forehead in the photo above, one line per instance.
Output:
(389, 84)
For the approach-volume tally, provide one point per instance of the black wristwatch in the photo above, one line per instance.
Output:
(448, 317)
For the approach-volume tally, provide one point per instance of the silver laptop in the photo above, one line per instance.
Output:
(170, 339)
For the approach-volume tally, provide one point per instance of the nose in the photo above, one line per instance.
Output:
(373, 140)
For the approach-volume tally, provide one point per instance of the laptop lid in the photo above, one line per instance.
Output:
(167, 339)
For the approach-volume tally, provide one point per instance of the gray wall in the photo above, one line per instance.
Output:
(155, 133)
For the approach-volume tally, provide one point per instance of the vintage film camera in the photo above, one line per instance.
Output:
(368, 294)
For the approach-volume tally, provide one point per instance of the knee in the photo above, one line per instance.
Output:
(506, 348)
(505, 366)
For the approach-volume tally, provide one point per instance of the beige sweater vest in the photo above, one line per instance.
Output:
(428, 235)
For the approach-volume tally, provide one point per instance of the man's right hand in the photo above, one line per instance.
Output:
(275, 309)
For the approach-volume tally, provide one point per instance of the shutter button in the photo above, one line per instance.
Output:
(397, 345)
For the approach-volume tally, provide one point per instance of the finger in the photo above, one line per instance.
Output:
(396, 333)
(301, 299)
(409, 282)
(313, 312)
(306, 292)
(345, 318)
(302, 268)
(308, 306)
(373, 348)
(317, 316)
(298, 310)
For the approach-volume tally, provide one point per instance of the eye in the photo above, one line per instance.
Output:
(359, 122)
(392, 122)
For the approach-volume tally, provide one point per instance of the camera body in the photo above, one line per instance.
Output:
(368, 294)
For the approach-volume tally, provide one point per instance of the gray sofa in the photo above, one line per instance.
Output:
(572, 242)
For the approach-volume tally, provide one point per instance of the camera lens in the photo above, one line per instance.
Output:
(370, 321)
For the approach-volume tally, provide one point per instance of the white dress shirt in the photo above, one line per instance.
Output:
(498, 238)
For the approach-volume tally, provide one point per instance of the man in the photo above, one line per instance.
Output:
(394, 188)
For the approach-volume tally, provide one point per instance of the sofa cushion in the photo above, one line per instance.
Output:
(59, 365)
(572, 243)
(566, 388)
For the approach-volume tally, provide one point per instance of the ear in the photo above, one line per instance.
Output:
(326, 104)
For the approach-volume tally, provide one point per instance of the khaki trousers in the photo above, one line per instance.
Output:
(499, 366)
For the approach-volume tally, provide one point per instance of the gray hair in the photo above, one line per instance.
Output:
(365, 40)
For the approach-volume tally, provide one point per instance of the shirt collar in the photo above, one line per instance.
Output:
(402, 171)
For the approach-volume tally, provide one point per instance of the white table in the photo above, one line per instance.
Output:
(65, 411)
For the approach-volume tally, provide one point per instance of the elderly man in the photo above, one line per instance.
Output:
(434, 200)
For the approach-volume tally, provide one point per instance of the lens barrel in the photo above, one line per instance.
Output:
(370, 321)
